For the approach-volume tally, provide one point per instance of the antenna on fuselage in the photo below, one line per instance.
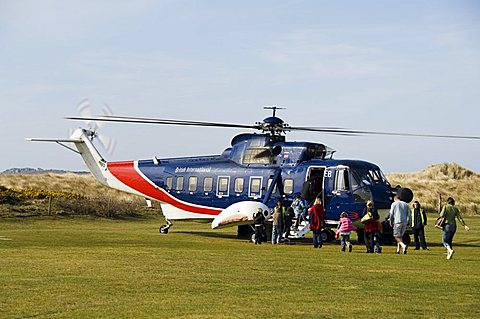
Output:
(274, 108)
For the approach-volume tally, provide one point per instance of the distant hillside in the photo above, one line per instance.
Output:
(29, 170)
(448, 179)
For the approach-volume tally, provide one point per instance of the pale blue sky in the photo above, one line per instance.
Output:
(407, 66)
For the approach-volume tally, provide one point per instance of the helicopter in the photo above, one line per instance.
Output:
(254, 172)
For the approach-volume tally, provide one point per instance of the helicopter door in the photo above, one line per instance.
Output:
(313, 186)
(340, 198)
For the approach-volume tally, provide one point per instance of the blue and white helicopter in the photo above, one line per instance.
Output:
(254, 172)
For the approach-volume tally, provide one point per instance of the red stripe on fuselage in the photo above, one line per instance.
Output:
(125, 172)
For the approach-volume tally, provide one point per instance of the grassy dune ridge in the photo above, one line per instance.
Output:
(77, 195)
(448, 179)
(84, 184)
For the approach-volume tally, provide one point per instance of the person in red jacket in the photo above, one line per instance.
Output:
(316, 217)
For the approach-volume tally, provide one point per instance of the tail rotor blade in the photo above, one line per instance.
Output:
(107, 111)
(107, 143)
(85, 110)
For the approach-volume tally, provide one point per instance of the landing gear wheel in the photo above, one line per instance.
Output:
(253, 237)
(327, 235)
(164, 229)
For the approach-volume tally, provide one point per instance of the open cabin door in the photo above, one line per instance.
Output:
(314, 184)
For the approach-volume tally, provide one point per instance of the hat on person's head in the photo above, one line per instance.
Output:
(260, 210)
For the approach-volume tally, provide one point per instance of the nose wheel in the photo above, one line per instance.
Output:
(164, 228)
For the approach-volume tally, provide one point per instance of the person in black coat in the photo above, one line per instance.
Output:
(258, 221)
(288, 221)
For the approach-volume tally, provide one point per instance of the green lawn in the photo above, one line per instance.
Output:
(85, 268)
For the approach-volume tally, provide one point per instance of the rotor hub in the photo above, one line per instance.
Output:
(274, 125)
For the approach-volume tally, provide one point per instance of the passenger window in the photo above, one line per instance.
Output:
(169, 183)
(239, 184)
(179, 185)
(192, 183)
(207, 184)
(222, 185)
(255, 184)
(288, 186)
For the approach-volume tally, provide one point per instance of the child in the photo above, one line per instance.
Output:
(344, 228)
(372, 229)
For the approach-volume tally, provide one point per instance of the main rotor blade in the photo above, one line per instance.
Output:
(144, 120)
(358, 132)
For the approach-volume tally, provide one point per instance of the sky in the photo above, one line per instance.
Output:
(402, 66)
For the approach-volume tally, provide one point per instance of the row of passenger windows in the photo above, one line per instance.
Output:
(223, 184)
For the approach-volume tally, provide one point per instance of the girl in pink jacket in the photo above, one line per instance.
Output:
(344, 228)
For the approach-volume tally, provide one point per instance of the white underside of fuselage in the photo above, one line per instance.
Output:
(174, 213)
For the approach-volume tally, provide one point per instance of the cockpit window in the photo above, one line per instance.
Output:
(257, 155)
(377, 176)
(384, 178)
(356, 181)
(316, 152)
(342, 180)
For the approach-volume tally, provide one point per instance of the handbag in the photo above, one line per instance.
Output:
(440, 222)
(368, 217)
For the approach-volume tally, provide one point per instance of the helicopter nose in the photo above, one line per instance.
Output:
(240, 213)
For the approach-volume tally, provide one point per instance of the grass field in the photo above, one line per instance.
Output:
(98, 268)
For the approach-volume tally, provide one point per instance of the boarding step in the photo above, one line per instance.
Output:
(301, 232)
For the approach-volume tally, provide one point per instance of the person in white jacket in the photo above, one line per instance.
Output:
(399, 219)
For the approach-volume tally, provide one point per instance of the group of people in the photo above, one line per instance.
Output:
(282, 220)
(400, 217)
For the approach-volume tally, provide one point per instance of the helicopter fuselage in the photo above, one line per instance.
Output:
(261, 168)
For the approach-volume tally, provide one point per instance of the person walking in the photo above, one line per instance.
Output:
(316, 218)
(298, 206)
(277, 223)
(449, 212)
(399, 219)
(258, 221)
(371, 227)
(419, 220)
(345, 227)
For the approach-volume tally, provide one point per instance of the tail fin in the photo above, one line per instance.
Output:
(92, 158)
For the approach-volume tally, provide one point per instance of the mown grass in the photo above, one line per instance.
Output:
(98, 268)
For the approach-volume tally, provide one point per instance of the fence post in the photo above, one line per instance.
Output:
(439, 202)
(49, 204)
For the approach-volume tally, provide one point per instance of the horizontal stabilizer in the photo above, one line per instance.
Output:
(55, 140)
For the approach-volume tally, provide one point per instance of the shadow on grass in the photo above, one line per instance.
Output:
(210, 234)
(458, 244)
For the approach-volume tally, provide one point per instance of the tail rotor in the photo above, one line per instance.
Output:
(85, 110)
